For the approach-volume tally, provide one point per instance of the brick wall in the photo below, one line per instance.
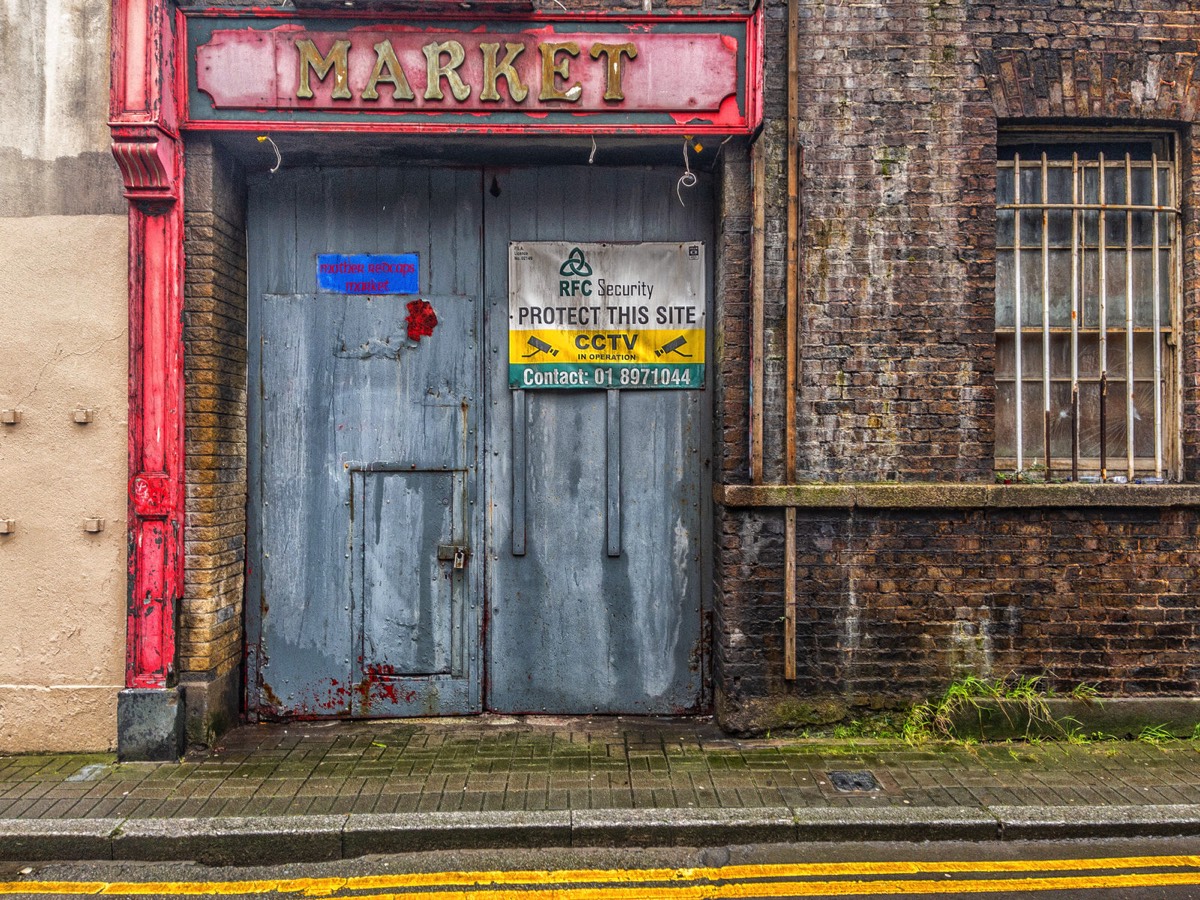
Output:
(211, 624)
(895, 604)
(1191, 302)
(900, 106)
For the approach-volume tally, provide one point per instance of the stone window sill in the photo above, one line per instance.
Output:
(956, 496)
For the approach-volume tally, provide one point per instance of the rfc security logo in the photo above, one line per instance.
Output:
(575, 273)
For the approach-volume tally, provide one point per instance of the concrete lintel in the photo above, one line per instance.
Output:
(957, 496)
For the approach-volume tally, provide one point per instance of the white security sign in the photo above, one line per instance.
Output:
(586, 315)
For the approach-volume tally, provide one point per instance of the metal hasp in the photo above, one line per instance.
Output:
(454, 553)
(146, 144)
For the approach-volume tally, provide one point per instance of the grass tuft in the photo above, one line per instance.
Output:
(1022, 698)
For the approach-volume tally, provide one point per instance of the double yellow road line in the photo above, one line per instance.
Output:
(768, 881)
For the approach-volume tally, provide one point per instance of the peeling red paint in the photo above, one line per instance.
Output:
(146, 145)
(379, 689)
(421, 319)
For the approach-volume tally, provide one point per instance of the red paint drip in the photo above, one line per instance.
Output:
(421, 319)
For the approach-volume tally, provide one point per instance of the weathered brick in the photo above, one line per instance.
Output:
(210, 632)
(900, 107)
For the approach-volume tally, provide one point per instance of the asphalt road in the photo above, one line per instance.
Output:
(1103, 870)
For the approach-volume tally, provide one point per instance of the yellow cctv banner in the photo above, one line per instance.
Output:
(601, 315)
(556, 347)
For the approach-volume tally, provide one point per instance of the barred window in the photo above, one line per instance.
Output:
(1087, 310)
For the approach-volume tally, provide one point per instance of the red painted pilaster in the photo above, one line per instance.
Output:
(149, 152)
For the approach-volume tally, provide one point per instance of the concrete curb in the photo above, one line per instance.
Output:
(681, 827)
(278, 839)
(405, 832)
(1022, 823)
(39, 840)
(895, 823)
(231, 841)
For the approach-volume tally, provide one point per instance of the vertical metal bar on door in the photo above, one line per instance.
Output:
(613, 455)
(519, 472)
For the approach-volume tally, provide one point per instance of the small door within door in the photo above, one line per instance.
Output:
(364, 468)
(408, 640)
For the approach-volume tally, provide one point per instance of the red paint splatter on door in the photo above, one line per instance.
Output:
(421, 319)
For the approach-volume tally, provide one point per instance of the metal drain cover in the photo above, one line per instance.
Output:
(852, 782)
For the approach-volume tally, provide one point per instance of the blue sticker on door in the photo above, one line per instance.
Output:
(366, 273)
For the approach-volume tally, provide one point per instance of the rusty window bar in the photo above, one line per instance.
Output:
(1102, 243)
(1103, 207)
(1017, 303)
(1129, 346)
(1075, 313)
(1046, 320)
(1156, 290)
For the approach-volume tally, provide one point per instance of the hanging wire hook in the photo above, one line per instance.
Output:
(275, 147)
(592, 155)
(688, 178)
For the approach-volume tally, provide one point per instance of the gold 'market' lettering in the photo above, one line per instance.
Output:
(437, 71)
(492, 72)
(310, 57)
(553, 68)
(444, 60)
(387, 69)
(613, 66)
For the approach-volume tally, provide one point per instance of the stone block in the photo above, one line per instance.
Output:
(149, 724)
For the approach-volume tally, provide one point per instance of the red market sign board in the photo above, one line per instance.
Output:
(599, 75)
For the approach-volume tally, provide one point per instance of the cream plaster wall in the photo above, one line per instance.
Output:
(63, 345)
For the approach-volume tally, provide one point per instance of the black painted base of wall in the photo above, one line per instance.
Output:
(149, 725)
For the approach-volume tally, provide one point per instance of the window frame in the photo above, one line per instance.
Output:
(1081, 150)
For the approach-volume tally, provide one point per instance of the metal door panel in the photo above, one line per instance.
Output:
(413, 648)
(408, 601)
(573, 629)
(349, 411)
(303, 559)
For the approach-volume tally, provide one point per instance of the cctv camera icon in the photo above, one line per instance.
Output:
(539, 346)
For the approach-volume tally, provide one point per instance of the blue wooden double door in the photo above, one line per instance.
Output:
(391, 464)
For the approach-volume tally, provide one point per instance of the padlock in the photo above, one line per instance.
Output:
(460, 557)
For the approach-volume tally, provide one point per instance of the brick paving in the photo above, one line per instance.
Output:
(528, 764)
